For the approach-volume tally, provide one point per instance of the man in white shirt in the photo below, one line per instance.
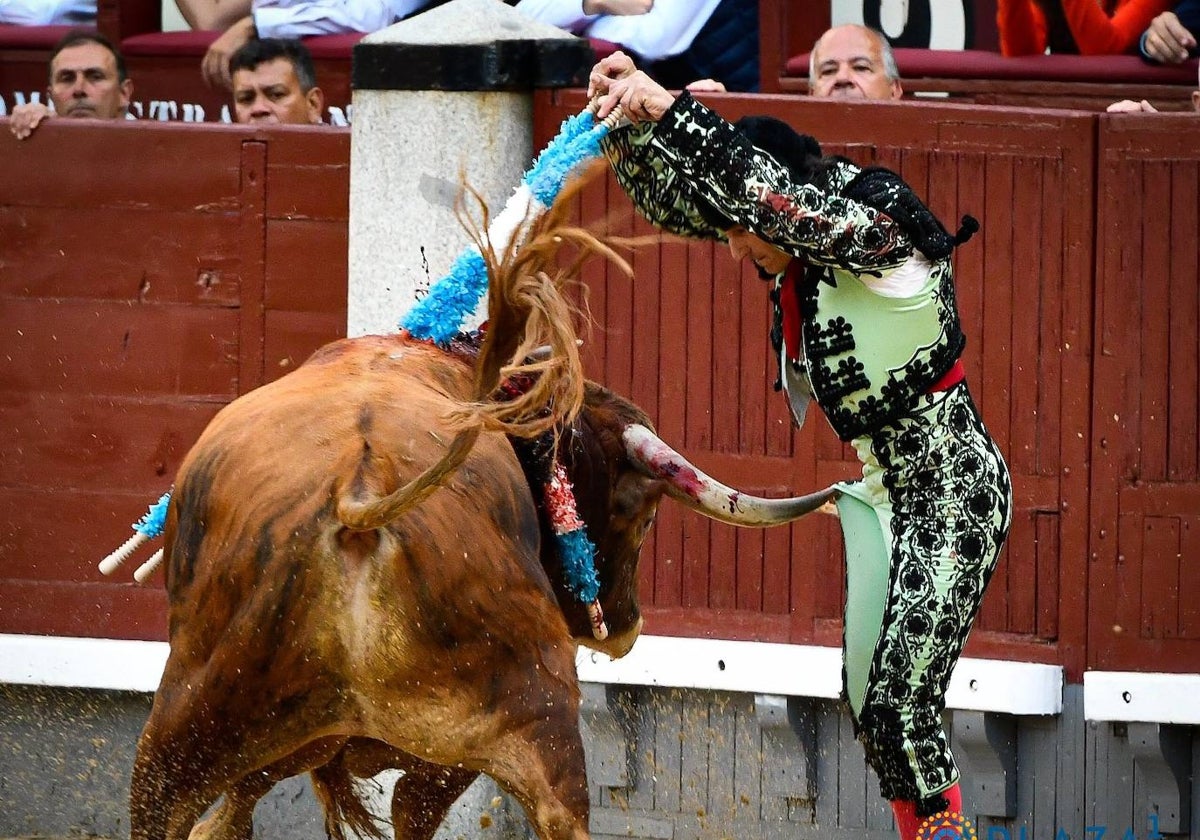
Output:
(676, 40)
(244, 20)
(48, 12)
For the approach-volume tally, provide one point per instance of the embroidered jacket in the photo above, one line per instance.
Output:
(879, 321)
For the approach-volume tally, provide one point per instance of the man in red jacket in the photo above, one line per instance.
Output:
(1083, 27)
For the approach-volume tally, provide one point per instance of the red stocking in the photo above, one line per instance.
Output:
(908, 823)
(954, 797)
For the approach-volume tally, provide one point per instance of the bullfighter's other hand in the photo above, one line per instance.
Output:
(1131, 106)
(617, 7)
(706, 86)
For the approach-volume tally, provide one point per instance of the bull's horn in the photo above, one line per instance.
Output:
(708, 496)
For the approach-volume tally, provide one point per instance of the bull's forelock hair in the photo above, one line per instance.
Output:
(530, 306)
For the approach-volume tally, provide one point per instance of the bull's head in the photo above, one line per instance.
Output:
(620, 470)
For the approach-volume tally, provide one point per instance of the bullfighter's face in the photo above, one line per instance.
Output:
(745, 245)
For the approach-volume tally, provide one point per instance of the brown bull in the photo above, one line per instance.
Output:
(330, 612)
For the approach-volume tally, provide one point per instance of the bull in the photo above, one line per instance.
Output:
(360, 575)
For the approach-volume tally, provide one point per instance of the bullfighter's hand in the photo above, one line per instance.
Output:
(25, 118)
(641, 98)
(1168, 40)
(215, 65)
(608, 70)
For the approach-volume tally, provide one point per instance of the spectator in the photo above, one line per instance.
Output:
(1126, 106)
(48, 12)
(87, 81)
(243, 20)
(853, 62)
(274, 83)
(1082, 27)
(1171, 37)
(676, 40)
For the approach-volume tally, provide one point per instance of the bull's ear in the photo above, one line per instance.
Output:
(636, 493)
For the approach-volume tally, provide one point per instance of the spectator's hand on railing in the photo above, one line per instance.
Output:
(25, 118)
(706, 86)
(617, 7)
(1130, 106)
(1168, 40)
(215, 65)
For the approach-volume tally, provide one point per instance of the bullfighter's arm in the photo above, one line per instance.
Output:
(692, 155)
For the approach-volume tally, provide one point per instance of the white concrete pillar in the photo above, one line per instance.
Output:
(439, 97)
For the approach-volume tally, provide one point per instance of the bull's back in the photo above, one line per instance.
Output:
(255, 549)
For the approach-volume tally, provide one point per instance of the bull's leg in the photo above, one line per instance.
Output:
(162, 803)
(424, 795)
(543, 767)
(197, 748)
(234, 817)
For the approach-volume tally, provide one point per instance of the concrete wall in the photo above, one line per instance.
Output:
(664, 764)
(66, 756)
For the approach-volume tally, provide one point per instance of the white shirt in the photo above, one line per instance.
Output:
(296, 18)
(48, 12)
(666, 30)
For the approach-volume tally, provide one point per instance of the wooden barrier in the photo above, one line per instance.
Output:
(150, 274)
(1145, 506)
(979, 74)
(1088, 82)
(142, 295)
